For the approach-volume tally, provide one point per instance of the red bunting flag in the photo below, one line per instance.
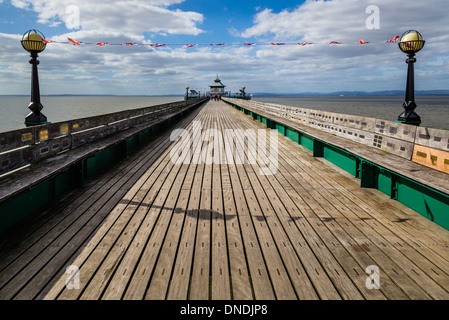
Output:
(393, 40)
(75, 42)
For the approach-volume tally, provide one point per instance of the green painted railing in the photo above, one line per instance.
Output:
(32, 178)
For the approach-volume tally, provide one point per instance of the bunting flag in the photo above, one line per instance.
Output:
(393, 40)
(157, 45)
(75, 42)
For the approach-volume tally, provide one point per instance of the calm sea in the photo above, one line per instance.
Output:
(434, 111)
(14, 109)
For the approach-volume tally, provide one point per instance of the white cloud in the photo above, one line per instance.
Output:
(144, 70)
(127, 17)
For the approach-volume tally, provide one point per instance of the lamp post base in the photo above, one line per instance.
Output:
(409, 117)
(35, 119)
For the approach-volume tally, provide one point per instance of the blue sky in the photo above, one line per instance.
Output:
(262, 68)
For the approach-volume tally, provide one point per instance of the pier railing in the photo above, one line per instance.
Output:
(408, 163)
(427, 146)
(22, 147)
(41, 163)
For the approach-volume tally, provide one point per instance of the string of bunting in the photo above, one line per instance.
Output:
(78, 43)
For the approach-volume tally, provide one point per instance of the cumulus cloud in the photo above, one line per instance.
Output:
(319, 67)
(126, 16)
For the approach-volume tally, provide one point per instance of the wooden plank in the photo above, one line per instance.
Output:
(220, 275)
(278, 274)
(354, 233)
(146, 262)
(127, 200)
(179, 285)
(123, 231)
(200, 282)
(260, 280)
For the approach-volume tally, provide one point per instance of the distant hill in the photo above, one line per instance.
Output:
(356, 93)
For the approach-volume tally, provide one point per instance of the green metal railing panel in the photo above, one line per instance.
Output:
(341, 159)
(132, 142)
(385, 183)
(292, 134)
(280, 128)
(104, 158)
(306, 142)
(23, 205)
(63, 182)
(430, 204)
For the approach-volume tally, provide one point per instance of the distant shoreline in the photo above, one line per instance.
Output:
(385, 93)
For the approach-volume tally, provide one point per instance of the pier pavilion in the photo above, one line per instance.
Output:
(217, 88)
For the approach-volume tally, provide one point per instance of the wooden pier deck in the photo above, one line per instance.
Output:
(153, 229)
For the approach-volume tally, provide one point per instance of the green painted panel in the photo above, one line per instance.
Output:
(306, 142)
(23, 205)
(340, 158)
(427, 202)
(292, 134)
(63, 182)
(103, 158)
(132, 142)
(385, 182)
(280, 128)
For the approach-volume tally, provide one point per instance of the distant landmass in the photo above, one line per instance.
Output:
(357, 93)
(302, 94)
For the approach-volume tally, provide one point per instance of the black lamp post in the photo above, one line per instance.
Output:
(187, 92)
(243, 92)
(32, 41)
(411, 42)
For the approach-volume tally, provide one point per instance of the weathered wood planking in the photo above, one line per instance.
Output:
(223, 231)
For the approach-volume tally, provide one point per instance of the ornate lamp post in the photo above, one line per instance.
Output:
(32, 42)
(243, 92)
(187, 92)
(411, 42)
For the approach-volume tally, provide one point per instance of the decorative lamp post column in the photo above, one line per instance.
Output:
(32, 42)
(187, 92)
(411, 42)
(243, 91)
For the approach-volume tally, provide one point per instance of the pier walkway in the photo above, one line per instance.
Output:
(153, 229)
